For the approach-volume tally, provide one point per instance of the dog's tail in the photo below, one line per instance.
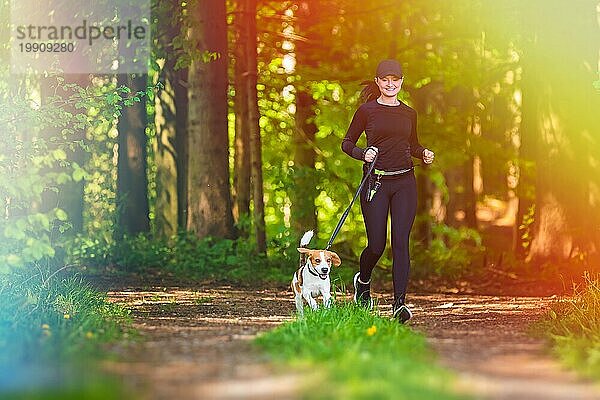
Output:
(306, 238)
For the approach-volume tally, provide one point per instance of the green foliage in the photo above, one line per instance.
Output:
(30, 165)
(172, 22)
(358, 355)
(573, 327)
(34, 162)
(459, 78)
(186, 256)
(449, 254)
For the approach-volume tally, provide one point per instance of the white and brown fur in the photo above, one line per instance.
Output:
(312, 277)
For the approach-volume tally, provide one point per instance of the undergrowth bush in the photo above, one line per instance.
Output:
(236, 261)
(185, 255)
(449, 254)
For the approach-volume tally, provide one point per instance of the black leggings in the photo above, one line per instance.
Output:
(398, 196)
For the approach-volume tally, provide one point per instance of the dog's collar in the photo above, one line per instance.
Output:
(314, 272)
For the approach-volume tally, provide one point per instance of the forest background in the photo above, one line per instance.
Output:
(209, 165)
(229, 146)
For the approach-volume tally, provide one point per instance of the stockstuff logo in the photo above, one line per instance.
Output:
(92, 36)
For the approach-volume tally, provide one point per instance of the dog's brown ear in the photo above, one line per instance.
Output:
(303, 250)
(335, 258)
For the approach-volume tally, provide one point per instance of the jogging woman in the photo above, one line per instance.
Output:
(391, 130)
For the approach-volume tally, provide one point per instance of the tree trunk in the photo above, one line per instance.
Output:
(529, 139)
(470, 196)
(209, 200)
(132, 181)
(171, 104)
(304, 214)
(180, 87)
(241, 168)
(461, 206)
(456, 187)
(254, 128)
(422, 232)
(170, 119)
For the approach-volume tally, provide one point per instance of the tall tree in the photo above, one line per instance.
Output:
(241, 148)
(529, 138)
(209, 200)
(170, 151)
(171, 105)
(248, 149)
(254, 129)
(304, 214)
(241, 143)
(132, 179)
(565, 224)
(180, 87)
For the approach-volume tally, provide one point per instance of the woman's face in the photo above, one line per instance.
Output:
(389, 85)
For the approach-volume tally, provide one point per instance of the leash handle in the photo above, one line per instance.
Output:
(345, 215)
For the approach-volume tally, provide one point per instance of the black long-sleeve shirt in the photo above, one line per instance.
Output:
(392, 129)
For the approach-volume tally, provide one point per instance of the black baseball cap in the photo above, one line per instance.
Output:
(389, 67)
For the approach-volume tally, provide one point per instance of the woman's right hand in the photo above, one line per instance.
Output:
(370, 153)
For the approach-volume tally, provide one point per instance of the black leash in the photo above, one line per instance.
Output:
(345, 215)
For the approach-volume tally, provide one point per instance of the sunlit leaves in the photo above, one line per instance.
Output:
(78, 172)
(36, 159)
(61, 215)
(112, 98)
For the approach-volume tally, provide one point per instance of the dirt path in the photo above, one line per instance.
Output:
(197, 345)
(486, 340)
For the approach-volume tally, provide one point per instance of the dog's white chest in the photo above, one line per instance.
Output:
(312, 278)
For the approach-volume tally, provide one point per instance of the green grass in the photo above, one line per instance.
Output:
(52, 331)
(80, 385)
(349, 353)
(573, 328)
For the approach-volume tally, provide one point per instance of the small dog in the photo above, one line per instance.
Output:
(312, 277)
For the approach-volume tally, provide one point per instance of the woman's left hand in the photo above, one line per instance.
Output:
(428, 156)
